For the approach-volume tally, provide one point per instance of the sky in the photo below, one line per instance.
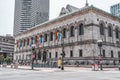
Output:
(7, 10)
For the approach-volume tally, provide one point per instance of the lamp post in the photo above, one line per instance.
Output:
(33, 55)
(44, 57)
(63, 55)
(100, 57)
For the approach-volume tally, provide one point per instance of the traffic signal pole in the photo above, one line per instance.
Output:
(33, 56)
(63, 55)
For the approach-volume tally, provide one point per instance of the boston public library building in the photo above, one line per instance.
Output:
(77, 33)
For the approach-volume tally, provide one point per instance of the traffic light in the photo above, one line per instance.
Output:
(63, 54)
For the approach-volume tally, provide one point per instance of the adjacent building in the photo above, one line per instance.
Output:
(7, 46)
(76, 33)
(68, 9)
(29, 13)
(115, 10)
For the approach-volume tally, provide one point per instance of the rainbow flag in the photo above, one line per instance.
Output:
(58, 35)
(18, 43)
(28, 41)
(40, 39)
(31, 42)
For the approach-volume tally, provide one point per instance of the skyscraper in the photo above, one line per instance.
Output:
(29, 13)
(115, 10)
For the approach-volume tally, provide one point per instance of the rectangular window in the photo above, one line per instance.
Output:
(51, 36)
(112, 54)
(71, 53)
(22, 57)
(19, 57)
(103, 53)
(64, 33)
(80, 53)
(45, 38)
(50, 55)
(56, 55)
(119, 54)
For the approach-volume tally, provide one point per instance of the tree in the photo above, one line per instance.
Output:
(1, 59)
(7, 59)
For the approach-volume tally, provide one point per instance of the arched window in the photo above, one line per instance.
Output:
(81, 29)
(101, 29)
(109, 31)
(117, 32)
(64, 33)
(72, 31)
(51, 36)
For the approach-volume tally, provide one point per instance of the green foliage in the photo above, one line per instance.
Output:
(7, 59)
(1, 58)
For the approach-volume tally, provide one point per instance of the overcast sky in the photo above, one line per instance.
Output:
(7, 10)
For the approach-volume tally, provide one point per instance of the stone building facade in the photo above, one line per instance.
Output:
(77, 33)
(7, 46)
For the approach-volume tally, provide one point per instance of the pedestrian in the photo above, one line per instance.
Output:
(59, 62)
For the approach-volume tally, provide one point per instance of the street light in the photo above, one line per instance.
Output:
(33, 55)
(63, 55)
(44, 57)
(100, 57)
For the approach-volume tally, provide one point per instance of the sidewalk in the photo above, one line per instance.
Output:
(74, 69)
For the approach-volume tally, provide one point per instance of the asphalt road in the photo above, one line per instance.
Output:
(17, 74)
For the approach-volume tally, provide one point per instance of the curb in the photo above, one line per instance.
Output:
(67, 69)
